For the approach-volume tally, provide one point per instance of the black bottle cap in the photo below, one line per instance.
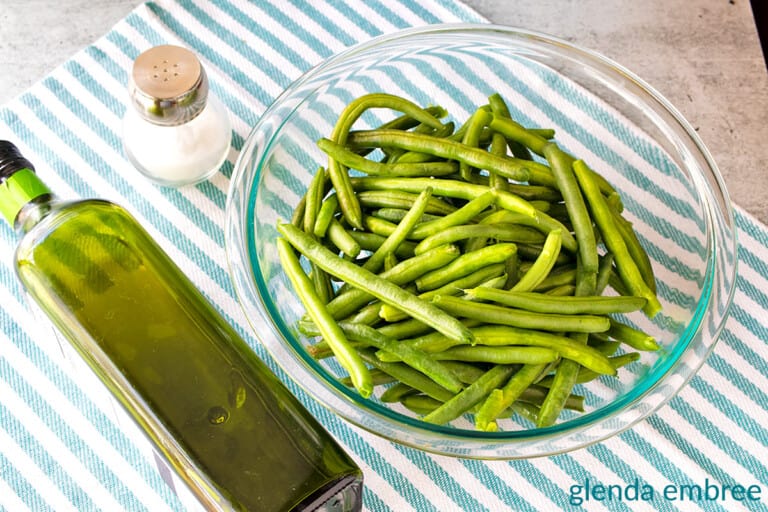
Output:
(11, 160)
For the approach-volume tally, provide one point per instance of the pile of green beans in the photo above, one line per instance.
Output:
(465, 270)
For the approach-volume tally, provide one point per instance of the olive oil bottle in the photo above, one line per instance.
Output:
(222, 420)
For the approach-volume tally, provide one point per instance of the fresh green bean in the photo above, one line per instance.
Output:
(612, 238)
(513, 354)
(327, 211)
(414, 358)
(595, 305)
(510, 167)
(395, 198)
(464, 265)
(400, 233)
(503, 397)
(380, 288)
(636, 250)
(632, 336)
(603, 272)
(353, 160)
(408, 376)
(586, 375)
(459, 217)
(396, 392)
(471, 137)
(332, 333)
(543, 264)
(502, 336)
(524, 319)
(372, 241)
(396, 215)
(314, 198)
(404, 272)
(468, 191)
(348, 201)
(456, 287)
(560, 164)
(500, 232)
(341, 238)
(462, 402)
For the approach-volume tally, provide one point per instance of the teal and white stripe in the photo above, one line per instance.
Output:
(65, 446)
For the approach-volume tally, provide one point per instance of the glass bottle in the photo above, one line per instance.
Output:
(175, 132)
(223, 421)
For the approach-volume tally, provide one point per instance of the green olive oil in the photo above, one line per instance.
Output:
(222, 420)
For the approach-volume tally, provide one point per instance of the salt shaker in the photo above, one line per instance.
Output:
(175, 131)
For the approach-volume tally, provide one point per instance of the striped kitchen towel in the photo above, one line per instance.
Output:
(65, 446)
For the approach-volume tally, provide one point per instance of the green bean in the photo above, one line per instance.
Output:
(395, 198)
(501, 336)
(400, 233)
(543, 264)
(462, 402)
(348, 201)
(577, 210)
(632, 337)
(314, 197)
(586, 375)
(464, 265)
(536, 394)
(502, 398)
(341, 238)
(353, 160)
(513, 354)
(332, 333)
(564, 276)
(322, 283)
(404, 329)
(460, 216)
(380, 288)
(468, 191)
(499, 148)
(603, 272)
(372, 241)
(635, 249)
(516, 132)
(297, 219)
(393, 314)
(613, 240)
(377, 376)
(406, 121)
(524, 319)
(564, 290)
(465, 372)
(408, 376)
(510, 167)
(420, 404)
(327, 211)
(396, 215)
(471, 137)
(396, 392)
(596, 305)
(404, 272)
(414, 358)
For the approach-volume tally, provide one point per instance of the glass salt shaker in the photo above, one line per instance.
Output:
(175, 132)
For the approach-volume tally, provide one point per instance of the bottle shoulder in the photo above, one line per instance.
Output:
(54, 216)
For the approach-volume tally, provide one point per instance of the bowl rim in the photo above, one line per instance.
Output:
(582, 421)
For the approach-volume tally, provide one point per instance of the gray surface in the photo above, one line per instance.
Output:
(703, 55)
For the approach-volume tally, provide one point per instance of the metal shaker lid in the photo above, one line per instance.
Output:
(168, 85)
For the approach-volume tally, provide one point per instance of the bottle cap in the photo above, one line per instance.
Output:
(168, 85)
(11, 160)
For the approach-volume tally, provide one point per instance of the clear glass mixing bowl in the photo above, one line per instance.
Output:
(672, 192)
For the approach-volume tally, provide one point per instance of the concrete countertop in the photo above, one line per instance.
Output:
(703, 55)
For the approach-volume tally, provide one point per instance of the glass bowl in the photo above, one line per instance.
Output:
(671, 189)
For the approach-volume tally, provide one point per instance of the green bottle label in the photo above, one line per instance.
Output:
(20, 188)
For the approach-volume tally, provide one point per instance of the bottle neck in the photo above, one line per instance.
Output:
(23, 197)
